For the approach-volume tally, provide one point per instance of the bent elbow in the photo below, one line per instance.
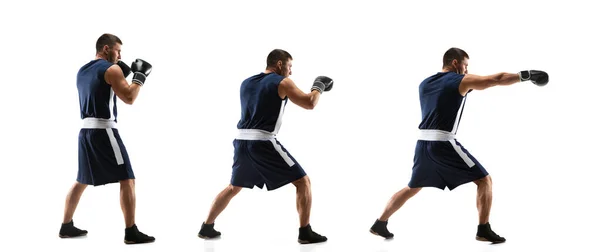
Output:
(310, 106)
(129, 100)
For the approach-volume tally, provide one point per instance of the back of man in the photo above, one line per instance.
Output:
(261, 106)
(441, 103)
(96, 97)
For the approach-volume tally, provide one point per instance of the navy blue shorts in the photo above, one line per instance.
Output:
(260, 162)
(103, 158)
(444, 164)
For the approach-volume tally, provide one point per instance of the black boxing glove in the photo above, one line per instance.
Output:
(536, 77)
(141, 69)
(322, 84)
(125, 68)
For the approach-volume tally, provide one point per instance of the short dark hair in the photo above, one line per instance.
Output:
(107, 39)
(277, 55)
(454, 54)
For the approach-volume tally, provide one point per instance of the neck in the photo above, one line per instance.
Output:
(269, 70)
(100, 56)
(447, 69)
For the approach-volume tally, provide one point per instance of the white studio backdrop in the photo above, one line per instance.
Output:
(538, 143)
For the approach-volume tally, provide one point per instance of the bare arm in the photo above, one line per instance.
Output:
(476, 82)
(126, 92)
(305, 100)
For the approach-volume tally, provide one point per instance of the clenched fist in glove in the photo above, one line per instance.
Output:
(322, 84)
(536, 77)
(141, 69)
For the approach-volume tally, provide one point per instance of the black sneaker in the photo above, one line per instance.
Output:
(134, 236)
(485, 233)
(68, 230)
(207, 231)
(380, 228)
(307, 236)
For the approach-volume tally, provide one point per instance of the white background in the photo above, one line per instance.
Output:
(539, 144)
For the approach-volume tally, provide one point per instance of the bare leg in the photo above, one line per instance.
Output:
(221, 202)
(484, 205)
(303, 205)
(68, 229)
(303, 200)
(397, 200)
(128, 201)
(484, 198)
(132, 233)
(72, 201)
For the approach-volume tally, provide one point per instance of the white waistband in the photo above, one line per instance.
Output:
(436, 135)
(254, 134)
(98, 123)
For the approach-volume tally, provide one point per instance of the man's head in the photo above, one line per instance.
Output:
(108, 47)
(456, 60)
(280, 62)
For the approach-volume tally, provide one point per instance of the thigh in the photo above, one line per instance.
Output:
(101, 159)
(458, 165)
(275, 164)
(425, 168)
(244, 173)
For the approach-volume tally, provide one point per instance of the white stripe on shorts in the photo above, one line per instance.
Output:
(462, 154)
(115, 146)
(283, 154)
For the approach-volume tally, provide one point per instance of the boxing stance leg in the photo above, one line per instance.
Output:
(219, 204)
(303, 206)
(484, 206)
(397, 200)
(68, 229)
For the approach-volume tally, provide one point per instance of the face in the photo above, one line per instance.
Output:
(112, 54)
(461, 68)
(284, 69)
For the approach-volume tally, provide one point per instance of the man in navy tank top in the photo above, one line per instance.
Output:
(259, 158)
(103, 158)
(440, 161)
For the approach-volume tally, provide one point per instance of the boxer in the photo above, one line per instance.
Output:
(259, 158)
(103, 158)
(440, 161)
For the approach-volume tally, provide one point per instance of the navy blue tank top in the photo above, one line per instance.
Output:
(96, 97)
(262, 108)
(441, 101)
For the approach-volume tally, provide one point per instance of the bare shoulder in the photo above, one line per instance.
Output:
(113, 74)
(286, 82)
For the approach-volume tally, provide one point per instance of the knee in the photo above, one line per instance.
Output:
(233, 190)
(79, 186)
(413, 190)
(485, 182)
(303, 182)
(129, 183)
